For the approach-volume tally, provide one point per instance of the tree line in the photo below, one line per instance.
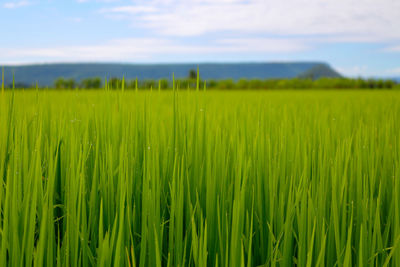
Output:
(229, 84)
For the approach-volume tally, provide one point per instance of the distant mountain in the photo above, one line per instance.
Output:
(46, 74)
(319, 71)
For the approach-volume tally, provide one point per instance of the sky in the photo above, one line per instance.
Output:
(356, 37)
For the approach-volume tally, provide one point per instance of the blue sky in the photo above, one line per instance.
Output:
(357, 37)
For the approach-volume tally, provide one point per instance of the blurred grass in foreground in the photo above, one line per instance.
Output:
(188, 178)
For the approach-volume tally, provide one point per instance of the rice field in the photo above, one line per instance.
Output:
(200, 178)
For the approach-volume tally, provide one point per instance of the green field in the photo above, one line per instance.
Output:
(272, 178)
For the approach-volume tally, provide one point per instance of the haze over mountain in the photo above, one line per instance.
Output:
(46, 74)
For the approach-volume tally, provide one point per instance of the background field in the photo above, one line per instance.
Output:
(236, 178)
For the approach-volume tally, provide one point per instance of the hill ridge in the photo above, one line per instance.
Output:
(45, 74)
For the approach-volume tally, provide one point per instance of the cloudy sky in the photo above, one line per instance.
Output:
(357, 37)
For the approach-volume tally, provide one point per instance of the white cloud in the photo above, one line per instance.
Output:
(395, 71)
(16, 4)
(135, 49)
(355, 71)
(130, 9)
(392, 49)
(347, 20)
(270, 45)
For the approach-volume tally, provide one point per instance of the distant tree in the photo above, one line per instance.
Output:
(192, 74)
(59, 83)
(62, 83)
(147, 84)
(255, 84)
(91, 83)
(226, 84)
(243, 84)
(131, 84)
(371, 83)
(212, 84)
(389, 84)
(164, 84)
(115, 83)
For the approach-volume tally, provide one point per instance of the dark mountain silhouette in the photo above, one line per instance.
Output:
(46, 74)
(320, 71)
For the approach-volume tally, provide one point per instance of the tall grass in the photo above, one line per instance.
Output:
(193, 178)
